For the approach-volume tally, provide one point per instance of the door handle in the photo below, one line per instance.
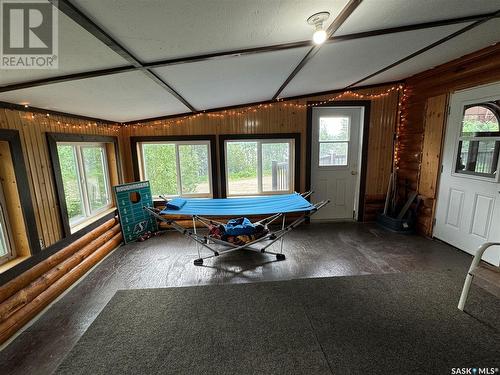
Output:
(354, 173)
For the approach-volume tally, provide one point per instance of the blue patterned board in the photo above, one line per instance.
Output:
(130, 199)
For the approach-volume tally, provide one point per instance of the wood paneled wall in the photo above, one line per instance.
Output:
(280, 118)
(420, 140)
(32, 128)
(284, 118)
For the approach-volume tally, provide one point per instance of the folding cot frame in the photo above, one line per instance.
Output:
(229, 247)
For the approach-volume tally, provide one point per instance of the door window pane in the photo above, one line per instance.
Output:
(160, 168)
(275, 166)
(333, 154)
(241, 164)
(479, 119)
(194, 168)
(479, 141)
(478, 157)
(95, 177)
(71, 181)
(333, 129)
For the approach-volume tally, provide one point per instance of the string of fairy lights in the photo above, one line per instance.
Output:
(402, 119)
(48, 119)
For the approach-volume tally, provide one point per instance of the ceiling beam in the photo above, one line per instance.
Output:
(85, 22)
(334, 26)
(425, 49)
(66, 78)
(236, 53)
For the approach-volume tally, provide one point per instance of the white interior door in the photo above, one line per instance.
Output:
(468, 206)
(336, 133)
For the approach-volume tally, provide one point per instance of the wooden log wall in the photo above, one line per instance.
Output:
(421, 137)
(284, 118)
(22, 298)
(32, 128)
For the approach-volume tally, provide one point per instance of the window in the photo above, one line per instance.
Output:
(259, 166)
(177, 168)
(85, 178)
(333, 141)
(479, 141)
(6, 250)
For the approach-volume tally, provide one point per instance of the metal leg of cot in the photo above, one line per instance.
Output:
(281, 256)
(199, 261)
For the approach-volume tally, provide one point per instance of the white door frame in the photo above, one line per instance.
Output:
(359, 197)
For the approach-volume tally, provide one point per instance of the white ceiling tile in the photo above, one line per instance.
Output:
(473, 40)
(380, 14)
(231, 81)
(118, 97)
(155, 29)
(79, 51)
(340, 64)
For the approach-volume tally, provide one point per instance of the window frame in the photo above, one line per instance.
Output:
(178, 166)
(89, 213)
(294, 182)
(492, 136)
(7, 232)
(52, 140)
(16, 150)
(211, 139)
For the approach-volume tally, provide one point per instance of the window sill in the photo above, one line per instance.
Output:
(11, 263)
(90, 220)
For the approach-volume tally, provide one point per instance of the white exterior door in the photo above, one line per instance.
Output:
(468, 206)
(335, 142)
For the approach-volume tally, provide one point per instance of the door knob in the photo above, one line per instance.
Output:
(354, 173)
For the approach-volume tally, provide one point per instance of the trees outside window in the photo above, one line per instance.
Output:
(177, 168)
(259, 166)
(85, 178)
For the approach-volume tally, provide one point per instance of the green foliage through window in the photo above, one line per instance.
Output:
(161, 162)
(85, 179)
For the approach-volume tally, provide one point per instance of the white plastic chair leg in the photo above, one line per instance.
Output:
(470, 275)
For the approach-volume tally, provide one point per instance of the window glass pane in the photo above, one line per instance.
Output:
(160, 168)
(4, 250)
(95, 177)
(478, 157)
(275, 166)
(334, 128)
(71, 181)
(479, 119)
(194, 169)
(241, 164)
(333, 153)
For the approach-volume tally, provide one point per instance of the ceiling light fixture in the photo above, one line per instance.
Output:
(317, 20)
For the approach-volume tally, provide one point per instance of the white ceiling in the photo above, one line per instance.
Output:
(119, 97)
(155, 29)
(159, 29)
(338, 65)
(480, 37)
(381, 14)
(231, 81)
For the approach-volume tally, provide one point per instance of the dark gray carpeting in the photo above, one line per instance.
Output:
(376, 324)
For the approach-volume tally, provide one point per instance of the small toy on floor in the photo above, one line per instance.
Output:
(147, 235)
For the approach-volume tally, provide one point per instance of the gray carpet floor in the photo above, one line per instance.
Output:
(374, 324)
